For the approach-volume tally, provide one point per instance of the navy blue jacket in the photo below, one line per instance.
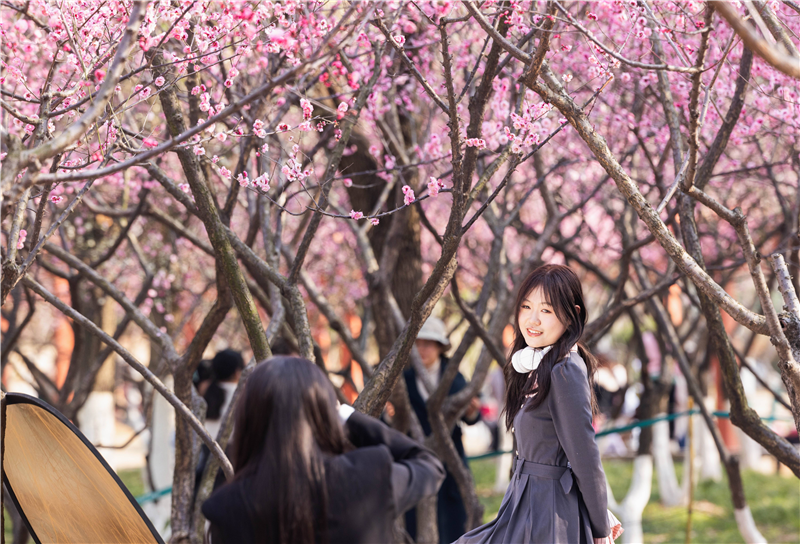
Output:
(451, 513)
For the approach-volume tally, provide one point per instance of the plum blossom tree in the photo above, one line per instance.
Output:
(261, 169)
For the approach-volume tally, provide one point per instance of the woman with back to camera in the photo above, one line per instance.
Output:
(302, 476)
(557, 494)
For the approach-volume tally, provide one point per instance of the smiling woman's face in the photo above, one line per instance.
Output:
(538, 322)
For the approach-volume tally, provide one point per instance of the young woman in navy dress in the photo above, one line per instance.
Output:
(557, 494)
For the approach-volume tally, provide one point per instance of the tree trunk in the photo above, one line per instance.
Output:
(407, 276)
(96, 417)
(86, 346)
(630, 510)
(160, 461)
(187, 453)
(669, 490)
(404, 239)
(744, 518)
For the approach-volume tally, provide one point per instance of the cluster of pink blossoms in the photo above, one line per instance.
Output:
(258, 128)
(307, 108)
(23, 234)
(480, 143)
(409, 195)
(434, 186)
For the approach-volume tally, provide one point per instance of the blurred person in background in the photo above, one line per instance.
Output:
(610, 383)
(227, 366)
(432, 343)
(203, 376)
(610, 387)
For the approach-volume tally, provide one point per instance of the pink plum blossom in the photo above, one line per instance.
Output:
(262, 182)
(409, 195)
(434, 186)
(258, 128)
(23, 234)
(308, 109)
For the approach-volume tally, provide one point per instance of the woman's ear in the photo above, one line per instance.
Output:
(578, 308)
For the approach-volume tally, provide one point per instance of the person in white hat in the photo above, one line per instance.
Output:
(432, 344)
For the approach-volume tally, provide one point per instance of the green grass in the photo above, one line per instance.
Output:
(774, 501)
(133, 481)
(9, 536)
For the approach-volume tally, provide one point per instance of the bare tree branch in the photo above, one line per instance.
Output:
(151, 378)
(779, 60)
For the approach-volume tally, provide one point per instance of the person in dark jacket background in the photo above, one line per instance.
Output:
(432, 343)
(302, 476)
(227, 366)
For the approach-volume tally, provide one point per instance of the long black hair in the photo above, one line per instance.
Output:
(561, 289)
(223, 366)
(286, 423)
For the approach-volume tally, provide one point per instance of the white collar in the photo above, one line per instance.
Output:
(528, 359)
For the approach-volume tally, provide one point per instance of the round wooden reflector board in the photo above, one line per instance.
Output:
(63, 488)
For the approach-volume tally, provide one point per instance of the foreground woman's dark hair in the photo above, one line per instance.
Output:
(286, 423)
(302, 476)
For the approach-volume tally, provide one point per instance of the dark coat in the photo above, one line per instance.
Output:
(451, 512)
(368, 488)
(558, 491)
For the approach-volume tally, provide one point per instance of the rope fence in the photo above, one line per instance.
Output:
(154, 495)
(631, 426)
